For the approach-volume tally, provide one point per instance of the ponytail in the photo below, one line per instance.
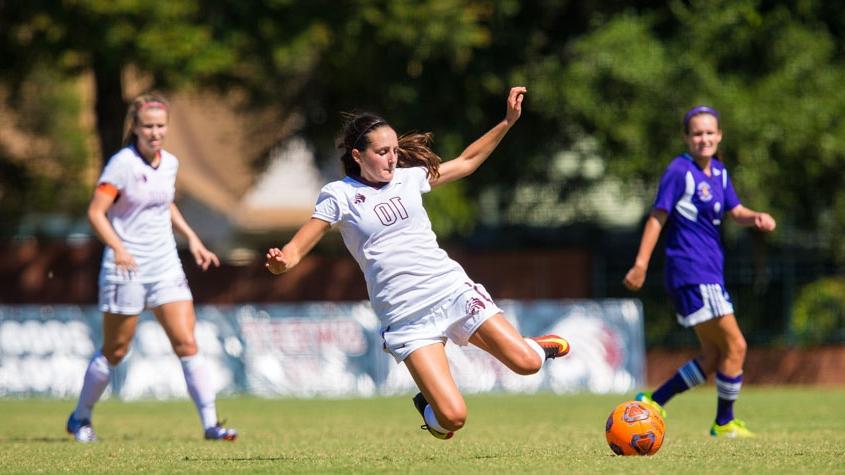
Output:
(415, 151)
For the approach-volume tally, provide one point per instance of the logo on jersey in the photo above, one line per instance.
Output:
(141, 178)
(717, 208)
(359, 198)
(704, 193)
(474, 305)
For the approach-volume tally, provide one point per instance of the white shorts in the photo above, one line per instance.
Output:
(131, 298)
(457, 318)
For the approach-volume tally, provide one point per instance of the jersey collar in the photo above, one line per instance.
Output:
(138, 154)
(363, 181)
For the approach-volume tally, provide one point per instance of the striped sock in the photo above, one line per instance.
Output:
(728, 388)
(688, 376)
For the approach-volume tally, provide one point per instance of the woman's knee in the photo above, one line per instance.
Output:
(185, 347)
(529, 363)
(524, 361)
(114, 354)
(453, 416)
(737, 349)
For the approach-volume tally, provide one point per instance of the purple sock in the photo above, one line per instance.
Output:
(689, 375)
(728, 388)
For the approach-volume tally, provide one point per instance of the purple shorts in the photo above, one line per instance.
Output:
(695, 304)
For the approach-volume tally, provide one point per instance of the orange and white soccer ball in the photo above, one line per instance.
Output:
(634, 428)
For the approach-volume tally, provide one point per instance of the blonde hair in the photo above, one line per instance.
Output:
(148, 99)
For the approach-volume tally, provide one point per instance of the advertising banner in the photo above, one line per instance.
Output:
(312, 349)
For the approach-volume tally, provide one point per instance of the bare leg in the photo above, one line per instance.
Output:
(499, 338)
(179, 320)
(724, 335)
(430, 369)
(118, 331)
(723, 345)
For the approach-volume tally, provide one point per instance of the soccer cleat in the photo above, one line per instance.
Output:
(554, 346)
(218, 432)
(646, 398)
(735, 429)
(420, 403)
(81, 429)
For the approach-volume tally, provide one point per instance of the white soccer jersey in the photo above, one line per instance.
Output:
(388, 232)
(141, 216)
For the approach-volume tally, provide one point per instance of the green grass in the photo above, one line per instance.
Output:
(802, 430)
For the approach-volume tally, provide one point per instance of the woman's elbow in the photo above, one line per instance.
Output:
(92, 216)
(464, 169)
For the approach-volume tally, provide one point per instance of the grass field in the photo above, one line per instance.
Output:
(802, 431)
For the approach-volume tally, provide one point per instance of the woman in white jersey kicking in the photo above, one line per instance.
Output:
(421, 296)
(133, 213)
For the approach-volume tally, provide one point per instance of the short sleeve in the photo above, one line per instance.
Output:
(731, 199)
(327, 207)
(420, 177)
(115, 172)
(671, 189)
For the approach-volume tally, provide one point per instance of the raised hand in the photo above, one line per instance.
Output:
(515, 97)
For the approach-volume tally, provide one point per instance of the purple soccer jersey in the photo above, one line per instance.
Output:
(696, 204)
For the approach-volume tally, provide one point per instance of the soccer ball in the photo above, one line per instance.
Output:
(634, 428)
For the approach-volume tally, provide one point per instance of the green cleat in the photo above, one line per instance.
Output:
(735, 429)
(646, 398)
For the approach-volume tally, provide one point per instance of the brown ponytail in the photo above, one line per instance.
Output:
(415, 151)
(414, 148)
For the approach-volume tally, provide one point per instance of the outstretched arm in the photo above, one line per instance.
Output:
(473, 156)
(284, 259)
(635, 278)
(747, 217)
(202, 256)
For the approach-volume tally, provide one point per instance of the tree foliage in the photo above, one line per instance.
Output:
(609, 77)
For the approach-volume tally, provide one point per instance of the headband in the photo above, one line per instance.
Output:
(367, 130)
(699, 110)
(159, 104)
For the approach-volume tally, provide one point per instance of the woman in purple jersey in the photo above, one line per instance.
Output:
(421, 296)
(694, 194)
(133, 213)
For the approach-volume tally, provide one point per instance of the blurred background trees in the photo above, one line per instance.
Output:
(608, 83)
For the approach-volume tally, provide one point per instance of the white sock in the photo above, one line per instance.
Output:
(431, 419)
(97, 378)
(536, 347)
(199, 387)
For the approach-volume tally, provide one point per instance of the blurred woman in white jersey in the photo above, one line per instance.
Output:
(133, 213)
(421, 296)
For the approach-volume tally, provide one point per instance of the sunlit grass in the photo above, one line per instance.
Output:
(801, 430)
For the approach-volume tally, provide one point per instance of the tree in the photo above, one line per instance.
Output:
(771, 68)
(286, 54)
(608, 82)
